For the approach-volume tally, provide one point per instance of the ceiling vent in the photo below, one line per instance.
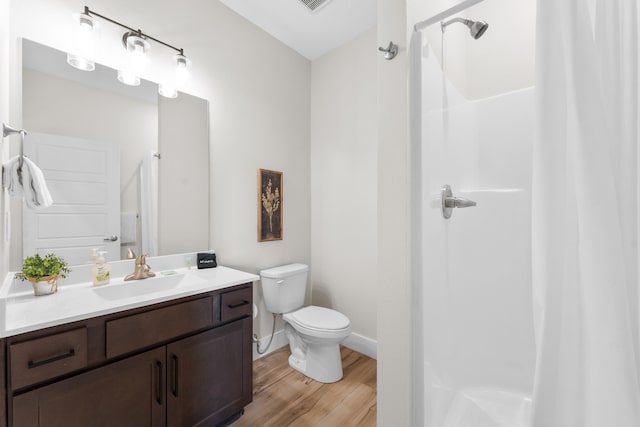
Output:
(314, 5)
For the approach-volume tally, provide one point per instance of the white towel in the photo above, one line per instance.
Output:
(29, 184)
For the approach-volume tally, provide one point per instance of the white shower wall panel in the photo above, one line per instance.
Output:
(485, 142)
(489, 292)
(479, 350)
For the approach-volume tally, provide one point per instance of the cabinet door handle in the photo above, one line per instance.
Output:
(34, 364)
(159, 382)
(174, 376)
(240, 304)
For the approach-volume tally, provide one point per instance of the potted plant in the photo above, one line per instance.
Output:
(44, 273)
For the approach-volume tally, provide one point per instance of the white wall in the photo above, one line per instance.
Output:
(183, 174)
(343, 181)
(394, 286)
(5, 24)
(259, 93)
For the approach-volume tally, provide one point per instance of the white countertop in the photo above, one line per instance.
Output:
(21, 311)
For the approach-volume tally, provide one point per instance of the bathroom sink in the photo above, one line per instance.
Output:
(136, 288)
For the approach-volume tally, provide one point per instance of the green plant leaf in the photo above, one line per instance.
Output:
(37, 267)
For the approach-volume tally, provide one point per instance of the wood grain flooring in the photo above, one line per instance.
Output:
(284, 397)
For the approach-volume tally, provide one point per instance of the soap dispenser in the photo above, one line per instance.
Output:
(94, 256)
(101, 270)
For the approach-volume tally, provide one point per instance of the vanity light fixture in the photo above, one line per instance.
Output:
(168, 87)
(182, 67)
(83, 40)
(137, 47)
(137, 44)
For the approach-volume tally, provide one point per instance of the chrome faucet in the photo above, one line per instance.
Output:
(142, 270)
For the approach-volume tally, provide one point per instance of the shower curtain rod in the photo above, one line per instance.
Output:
(445, 14)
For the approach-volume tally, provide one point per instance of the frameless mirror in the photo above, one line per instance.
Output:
(126, 167)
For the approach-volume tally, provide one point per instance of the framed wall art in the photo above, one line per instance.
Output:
(269, 205)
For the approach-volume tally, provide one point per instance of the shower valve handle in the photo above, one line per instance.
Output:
(458, 202)
(449, 202)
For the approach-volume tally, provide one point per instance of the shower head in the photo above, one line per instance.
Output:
(476, 28)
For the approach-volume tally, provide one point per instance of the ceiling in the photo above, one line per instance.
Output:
(312, 34)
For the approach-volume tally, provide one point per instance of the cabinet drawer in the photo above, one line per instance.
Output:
(43, 358)
(236, 304)
(157, 326)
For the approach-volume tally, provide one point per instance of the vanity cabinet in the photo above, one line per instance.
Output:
(207, 379)
(180, 363)
(125, 393)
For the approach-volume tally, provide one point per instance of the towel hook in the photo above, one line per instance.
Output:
(390, 52)
(8, 131)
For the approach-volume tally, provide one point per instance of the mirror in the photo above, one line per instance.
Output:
(126, 167)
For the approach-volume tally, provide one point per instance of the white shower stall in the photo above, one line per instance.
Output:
(507, 332)
(475, 267)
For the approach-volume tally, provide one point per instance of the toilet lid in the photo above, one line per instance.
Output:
(320, 318)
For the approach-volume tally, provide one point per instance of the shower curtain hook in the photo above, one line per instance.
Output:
(390, 52)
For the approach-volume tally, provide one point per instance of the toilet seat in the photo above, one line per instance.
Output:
(319, 322)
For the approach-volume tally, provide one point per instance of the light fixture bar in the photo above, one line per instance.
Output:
(138, 32)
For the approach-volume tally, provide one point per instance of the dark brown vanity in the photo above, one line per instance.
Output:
(183, 362)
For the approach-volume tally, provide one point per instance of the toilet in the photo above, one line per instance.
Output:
(314, 333)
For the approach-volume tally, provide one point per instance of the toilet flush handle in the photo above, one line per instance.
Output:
(280, 282)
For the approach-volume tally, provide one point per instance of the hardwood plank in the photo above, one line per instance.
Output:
(270, 369)
(353, 409)
(284, 397)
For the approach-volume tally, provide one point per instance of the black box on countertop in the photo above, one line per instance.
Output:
(206, 260)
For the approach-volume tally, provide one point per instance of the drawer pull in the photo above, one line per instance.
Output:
(240, 304)
(31, 364)
(159, 382)
(174, 382)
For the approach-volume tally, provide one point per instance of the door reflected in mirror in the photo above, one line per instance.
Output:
(126, 167)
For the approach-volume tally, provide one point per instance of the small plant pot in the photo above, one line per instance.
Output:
(45, 286)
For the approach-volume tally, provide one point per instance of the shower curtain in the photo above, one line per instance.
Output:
(585, 207)
(149, 203)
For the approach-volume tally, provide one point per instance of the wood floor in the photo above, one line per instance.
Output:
(284, 397)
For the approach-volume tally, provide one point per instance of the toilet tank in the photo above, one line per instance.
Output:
(284, 287)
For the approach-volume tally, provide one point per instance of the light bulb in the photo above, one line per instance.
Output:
(182, 69)
(137, 48)
(83, 42)
(138, 58)
(182, 74)
(86, 25)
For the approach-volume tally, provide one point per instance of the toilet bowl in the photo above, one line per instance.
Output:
(314, 333)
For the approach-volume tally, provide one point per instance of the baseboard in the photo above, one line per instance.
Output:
(357, 342)
(362, 344)
(279, 341)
